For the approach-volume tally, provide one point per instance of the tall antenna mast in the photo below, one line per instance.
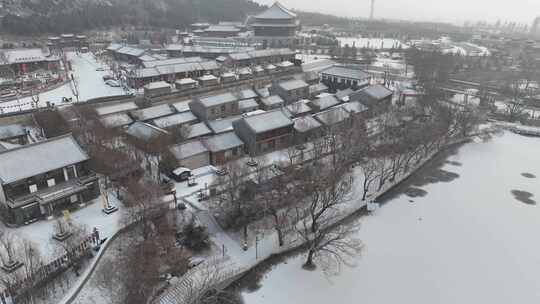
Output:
(372, 12)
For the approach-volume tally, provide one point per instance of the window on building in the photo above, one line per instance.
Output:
(32, 188)
(51, 182)
(71, 172)
(223, 108)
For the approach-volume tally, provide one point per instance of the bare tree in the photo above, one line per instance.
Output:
(232, 197)
(369, 174)
(144, 202)
(332, 244)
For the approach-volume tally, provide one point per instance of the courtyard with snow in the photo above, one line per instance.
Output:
(460, 230)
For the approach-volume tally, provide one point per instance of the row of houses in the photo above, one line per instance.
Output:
(162, 87)
(221, 127)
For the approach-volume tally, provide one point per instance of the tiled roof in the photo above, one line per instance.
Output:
(268, 121)
(276, 11)
(41, 157)
(346, 72)
(224, 141)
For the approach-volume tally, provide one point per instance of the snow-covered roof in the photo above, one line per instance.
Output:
(317, 88)
(240, 56)
(268, 121)
(208, 78)
(130, 51)
(247, 104)
(119, 107)
(41, 157)
(152, 112)
(114, 47)
(260, 54)
(222, 28)
(188, 149)
(146, 72)
(157, 85)
(25, 56)
(285, 64)
(378, 91)
(174, 68)
(147, 58)
(276, 11)
(228, 75)
(116, 120)
(223, 125)
(200, 49)
(198, 129)
(299, 107)
(354, 107)
(318, 65)
(144, 131)
(185, 81)
(10, 131)
(215, 100)
(273, 100)
(175, 120)
(343, 95)
(332, 116)
(325, 102)
(247, 94)
(346, 72)
(182, 106)
(306, 123)
(245, 71)
(221, 142)
(170, 61)
(293, 84)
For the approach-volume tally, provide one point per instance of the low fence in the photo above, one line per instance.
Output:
(19, 288)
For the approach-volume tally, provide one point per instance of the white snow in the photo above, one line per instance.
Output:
(91, 216)
(466, 241)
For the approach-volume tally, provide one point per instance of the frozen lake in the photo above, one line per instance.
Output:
(467, 240)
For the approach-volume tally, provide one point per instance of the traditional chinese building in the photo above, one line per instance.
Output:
(275, 27)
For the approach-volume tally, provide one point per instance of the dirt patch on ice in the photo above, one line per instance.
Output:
(524, 197)
(415, 192)
(528, 175)
(454, 163)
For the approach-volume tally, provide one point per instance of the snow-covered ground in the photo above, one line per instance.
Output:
(371, 43)
(467, 241)
(91, 85)
(91, 216)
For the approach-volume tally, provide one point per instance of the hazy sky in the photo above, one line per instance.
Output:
(455, 11)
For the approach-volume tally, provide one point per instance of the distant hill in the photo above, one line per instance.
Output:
(60, 16)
